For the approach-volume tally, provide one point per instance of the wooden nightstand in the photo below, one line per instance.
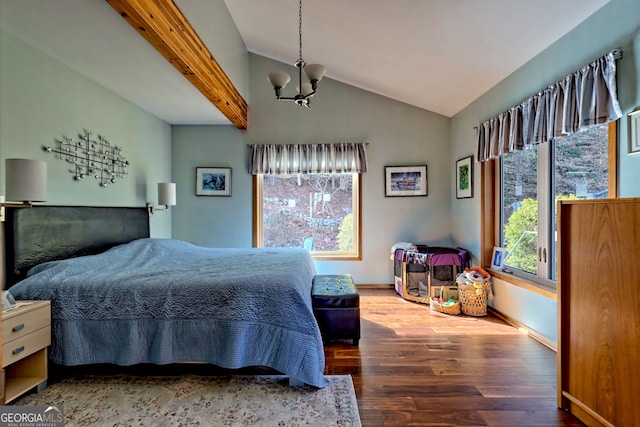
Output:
(26, 334)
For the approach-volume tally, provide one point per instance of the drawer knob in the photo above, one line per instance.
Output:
(18, 327)
(18, 350)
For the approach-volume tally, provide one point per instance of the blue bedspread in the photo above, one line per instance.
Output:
(167, 301)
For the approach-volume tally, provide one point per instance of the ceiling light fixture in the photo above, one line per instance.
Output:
(314, 72)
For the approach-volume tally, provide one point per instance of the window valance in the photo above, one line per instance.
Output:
(586, 97)
(282, 159)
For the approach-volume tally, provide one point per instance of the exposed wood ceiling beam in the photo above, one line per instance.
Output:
(163, 25)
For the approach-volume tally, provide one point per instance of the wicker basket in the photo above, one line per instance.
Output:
(450, 309)
(474, 303)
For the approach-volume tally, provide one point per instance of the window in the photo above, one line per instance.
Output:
(558, 143)
(317, 211)
(308, 195)
(579, 166)
(519, 209)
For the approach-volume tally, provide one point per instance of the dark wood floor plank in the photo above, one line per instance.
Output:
(482, 403)
(529, 418)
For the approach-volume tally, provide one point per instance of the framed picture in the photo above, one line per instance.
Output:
(405, 181)
(497, 260)
(464, 178)
(634, 132)
(213, 181)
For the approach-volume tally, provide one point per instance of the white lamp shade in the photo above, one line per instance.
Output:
(279, 79)
(315, 71)
(306, 89)
(167, 193)
(26, 180)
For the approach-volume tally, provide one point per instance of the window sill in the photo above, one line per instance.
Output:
(531, 286)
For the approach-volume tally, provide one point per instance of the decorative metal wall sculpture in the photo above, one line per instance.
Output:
(91, 157)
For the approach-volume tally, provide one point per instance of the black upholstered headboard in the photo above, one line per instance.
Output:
(47, 233)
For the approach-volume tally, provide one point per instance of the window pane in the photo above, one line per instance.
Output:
(314, 211)
(520, 209)
(581, 169)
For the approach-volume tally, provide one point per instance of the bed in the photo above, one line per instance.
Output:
(120, 297)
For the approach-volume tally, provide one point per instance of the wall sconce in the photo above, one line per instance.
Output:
(25, 182)
(166, 197)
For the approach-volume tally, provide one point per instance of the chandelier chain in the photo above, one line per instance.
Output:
(300, 27)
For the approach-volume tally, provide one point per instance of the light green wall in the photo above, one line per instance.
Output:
(398, 134)
(42, 99)
(206, 220)
(615, 25)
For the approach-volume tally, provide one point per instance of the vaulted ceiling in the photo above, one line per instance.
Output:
(439, 55)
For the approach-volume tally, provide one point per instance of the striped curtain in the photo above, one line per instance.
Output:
(274, 159)
(587, 97)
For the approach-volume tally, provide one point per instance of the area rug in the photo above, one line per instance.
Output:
(193, 400)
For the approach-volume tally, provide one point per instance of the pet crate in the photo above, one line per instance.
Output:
(425, 271)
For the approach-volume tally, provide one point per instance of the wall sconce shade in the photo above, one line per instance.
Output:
(167, 193)
(166, 197)
(26, 180)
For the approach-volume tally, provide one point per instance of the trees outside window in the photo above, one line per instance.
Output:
(320, 212)
(533, 180)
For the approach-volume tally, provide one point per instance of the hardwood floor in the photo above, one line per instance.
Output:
(417, 367)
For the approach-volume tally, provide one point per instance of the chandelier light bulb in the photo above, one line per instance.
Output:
(279, 79)
(306, 90)
(315, 71)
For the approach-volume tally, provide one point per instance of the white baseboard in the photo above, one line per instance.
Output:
(530, 332)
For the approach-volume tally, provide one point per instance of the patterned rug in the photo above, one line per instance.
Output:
(192, 400)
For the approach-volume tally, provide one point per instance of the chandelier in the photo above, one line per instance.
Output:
(314, 72)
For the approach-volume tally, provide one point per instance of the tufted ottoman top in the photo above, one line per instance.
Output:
(334, 291)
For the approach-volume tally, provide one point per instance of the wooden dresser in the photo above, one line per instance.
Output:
(598, 307)
(26, 334)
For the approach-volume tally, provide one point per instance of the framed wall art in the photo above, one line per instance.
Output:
(634, 132)
(402, 181)
(213, 181)
(497, 260)
(464, 178)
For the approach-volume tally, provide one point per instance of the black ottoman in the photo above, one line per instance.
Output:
(336, 305)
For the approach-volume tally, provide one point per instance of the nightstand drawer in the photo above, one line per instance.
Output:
(23, 347)
(24, 322)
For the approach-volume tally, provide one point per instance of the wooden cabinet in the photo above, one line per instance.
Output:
(26, 334)
(599, 310)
